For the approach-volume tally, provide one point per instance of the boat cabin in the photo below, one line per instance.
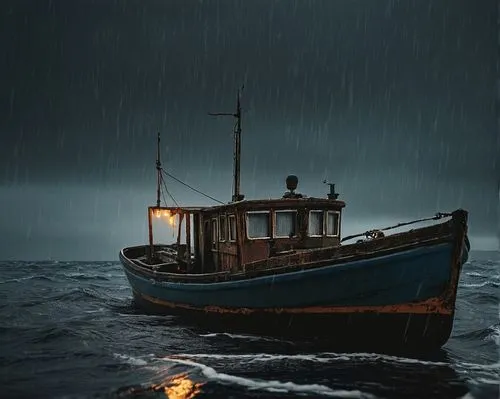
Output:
(226, 237)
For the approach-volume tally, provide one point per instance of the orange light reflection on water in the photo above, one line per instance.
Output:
(179, 386)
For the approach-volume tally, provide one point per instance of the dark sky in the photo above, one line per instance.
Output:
(392, 100)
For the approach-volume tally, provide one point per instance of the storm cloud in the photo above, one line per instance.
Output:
(392, 100)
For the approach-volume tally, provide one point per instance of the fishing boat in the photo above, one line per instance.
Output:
(280, 266)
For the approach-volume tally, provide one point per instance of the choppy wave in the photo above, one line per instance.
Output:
(271, 385)
(65, 321)
(330, 357)
(479, 285)
(27, 278)
(244, 361)
(490, 333)
(275, 386)
(243, 337)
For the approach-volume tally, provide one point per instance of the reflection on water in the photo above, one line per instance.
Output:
(179, 386)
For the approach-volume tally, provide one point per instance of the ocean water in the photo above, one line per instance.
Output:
(71, 330)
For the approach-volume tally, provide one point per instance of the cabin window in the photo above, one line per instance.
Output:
(222, 228)
(286, 223)
(332, 223)
(214, 233)
(232, 227)
(316, 223)
(258, 224)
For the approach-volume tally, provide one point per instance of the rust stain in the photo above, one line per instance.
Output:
(435, 305)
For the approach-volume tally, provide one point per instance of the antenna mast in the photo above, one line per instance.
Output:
(237, 196)
(158, 171)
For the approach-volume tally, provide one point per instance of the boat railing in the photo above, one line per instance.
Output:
(193, 276)
(378, 233)
(155, 266)
(177, 276)
(344, 253)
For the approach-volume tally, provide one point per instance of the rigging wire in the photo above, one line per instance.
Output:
(192, 188)
(164, 199)
(166, 190)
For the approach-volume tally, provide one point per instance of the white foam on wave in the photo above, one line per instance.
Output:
(397, 359)
(483, 275)
(389, 358)
(242, 336)
(18, 280)
(324, 357)
(263, 357)
(100, 310)
(330, 357)
(475, 274)
(134, 361)
(479, 285)
(494, 335)
(487, 381)
(480, 367)
(270, 385)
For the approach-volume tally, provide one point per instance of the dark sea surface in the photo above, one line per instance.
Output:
(71, 330)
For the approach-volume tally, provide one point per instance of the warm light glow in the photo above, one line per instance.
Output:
(166, 213)
(179, 387)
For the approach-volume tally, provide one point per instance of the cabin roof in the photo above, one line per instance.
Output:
(284, 203)
(278, 203)
(190, 209)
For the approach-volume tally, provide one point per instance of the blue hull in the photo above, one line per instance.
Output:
(408, 276)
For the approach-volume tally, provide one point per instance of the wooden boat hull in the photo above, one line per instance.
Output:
(390, 295)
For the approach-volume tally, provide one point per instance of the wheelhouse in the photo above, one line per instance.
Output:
(225, 238)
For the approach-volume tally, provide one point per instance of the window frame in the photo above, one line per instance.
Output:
(233, 217)
(215, 234)
(269, 232)
(223, 223)
(275, 220)
(337, 225)
(309, 223)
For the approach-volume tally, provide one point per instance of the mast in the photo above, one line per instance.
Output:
(158, 171)
(237, 151)
(151, 209)
(237, 196)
